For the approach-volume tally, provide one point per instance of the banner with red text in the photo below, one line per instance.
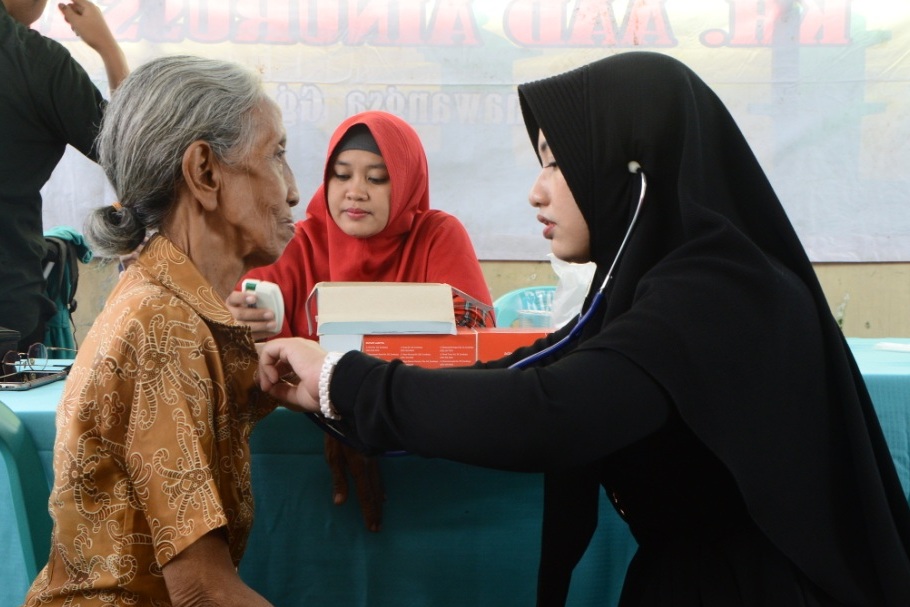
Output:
(821, 88)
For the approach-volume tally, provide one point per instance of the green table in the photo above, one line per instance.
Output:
(453, 535)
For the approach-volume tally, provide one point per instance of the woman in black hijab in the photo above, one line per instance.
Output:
(711, 394)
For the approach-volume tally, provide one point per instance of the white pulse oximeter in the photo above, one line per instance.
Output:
(268, 295)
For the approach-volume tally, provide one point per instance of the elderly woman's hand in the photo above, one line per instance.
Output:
(243, 308)
(295, 357)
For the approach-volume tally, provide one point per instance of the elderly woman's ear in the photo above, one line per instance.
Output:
(202, 174)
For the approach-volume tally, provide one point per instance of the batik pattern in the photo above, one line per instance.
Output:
(152, 448)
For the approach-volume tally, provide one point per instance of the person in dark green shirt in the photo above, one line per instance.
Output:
(47, 102)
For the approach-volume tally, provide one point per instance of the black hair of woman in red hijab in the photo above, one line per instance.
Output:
(716, 300)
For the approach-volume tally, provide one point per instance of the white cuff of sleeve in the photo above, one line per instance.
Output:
(325, 377)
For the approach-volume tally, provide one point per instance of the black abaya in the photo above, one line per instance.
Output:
(714, 398)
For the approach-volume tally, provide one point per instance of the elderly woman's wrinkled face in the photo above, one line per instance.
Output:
(359, 193)
(564, 225)
(261, 191)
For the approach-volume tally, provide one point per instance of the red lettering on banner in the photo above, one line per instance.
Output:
(453, 24)
(534, 23)
(268, 22)
(387, 23)
(369, 18)
(401, 23)
(825, 24)
(592, 23)
(410, 23)
(647, 24)
(122, 17)
(755, 22)
(319, 22)
(208, 21)
(441, 23)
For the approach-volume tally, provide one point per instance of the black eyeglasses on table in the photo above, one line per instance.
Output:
(37, 358)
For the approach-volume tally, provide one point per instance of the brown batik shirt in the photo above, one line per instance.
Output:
(152, 448)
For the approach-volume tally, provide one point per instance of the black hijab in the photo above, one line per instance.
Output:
(716, 299)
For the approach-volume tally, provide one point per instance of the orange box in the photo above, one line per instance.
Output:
(495, 343)
(441, 351)
(431, 351)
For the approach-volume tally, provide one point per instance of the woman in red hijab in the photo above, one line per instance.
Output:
(415, 244)
(370, 220)
(706, 391)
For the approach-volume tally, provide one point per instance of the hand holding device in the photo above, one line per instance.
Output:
(268, 299)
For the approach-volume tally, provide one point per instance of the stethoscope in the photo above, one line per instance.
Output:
(527, 361)
(329, 428)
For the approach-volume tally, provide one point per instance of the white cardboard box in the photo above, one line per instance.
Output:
(349, 310)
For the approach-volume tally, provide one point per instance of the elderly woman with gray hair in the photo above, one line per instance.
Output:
(152, 501)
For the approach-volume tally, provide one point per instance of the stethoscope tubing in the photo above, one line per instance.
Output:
(526, 362)
(598, 298)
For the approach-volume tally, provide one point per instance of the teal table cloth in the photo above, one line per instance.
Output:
(452, 534)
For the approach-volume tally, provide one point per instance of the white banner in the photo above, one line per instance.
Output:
(821, 89)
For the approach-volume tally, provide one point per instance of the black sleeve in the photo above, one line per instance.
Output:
(573, 411)
(64, 94)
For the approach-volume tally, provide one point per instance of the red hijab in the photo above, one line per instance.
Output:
(418, 244)
(391, 254)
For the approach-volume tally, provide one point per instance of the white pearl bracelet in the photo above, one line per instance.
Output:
(325, 376)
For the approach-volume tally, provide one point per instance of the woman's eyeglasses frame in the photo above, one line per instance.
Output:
(36, 359)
